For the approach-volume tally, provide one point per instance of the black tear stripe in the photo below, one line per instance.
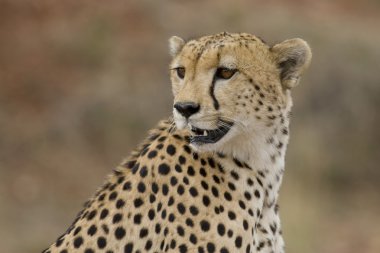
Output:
(212, 88)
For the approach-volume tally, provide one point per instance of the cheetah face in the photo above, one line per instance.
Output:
(227, 87)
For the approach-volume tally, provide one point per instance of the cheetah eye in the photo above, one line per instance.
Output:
(225, 73)
(180, 72)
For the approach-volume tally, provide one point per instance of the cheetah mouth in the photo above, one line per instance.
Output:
(208, 136)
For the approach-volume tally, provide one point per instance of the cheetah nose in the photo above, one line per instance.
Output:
(186, 109)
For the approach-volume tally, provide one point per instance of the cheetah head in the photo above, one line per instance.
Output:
(229, 87)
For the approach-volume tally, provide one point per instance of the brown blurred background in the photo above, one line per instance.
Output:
(82, 81)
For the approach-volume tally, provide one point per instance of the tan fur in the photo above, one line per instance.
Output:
(217, 197)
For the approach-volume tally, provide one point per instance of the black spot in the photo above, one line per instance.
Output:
(76, 231)
(101, 197)
(141, 187)
(138, 202)
(231, 215)
(242, 204)
(257, 194)
(234, 175)
(162, 138)
(130, 164)
(176, 136)
(152, 154)
(91, 215)
(116, 218)
(127, 186)
(189, 222)
(190, 171)
(180, 189)
(182, 248)
(178, 168)
(143, 232)
(181, 208)
(135, 168)
(180, 230)
(224, 250)
(231, 186)
(194, 210)
(119, 233)
(245, 225)
(216, 179)
(193, 239)
(102, 243)
(204, 185)
(154, 187)
(151, 214)
(187, 149)
(173, 181)
(61, 238)
(128, 248)
(148, 245)
(273, 228)
(215, 191)
(206, 200)
(88, 250)
(238, 163)
(78, 241)
(163, 214)
(92, 230)
(203, 172)
(163, 169)
(173, 243)
(171, 217)
(137, 218)
(171, 201)
(193, 191)
(181, 159)
(171, 150)
(113, 196)
(211, 162)
(210, 247)
(227, 196)
(120, 203)
(120, 180)
(221, 229)
(165, 189)
(143, 171)
(157, 228)
(205, 225)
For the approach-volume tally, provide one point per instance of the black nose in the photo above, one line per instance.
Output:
(186, 109)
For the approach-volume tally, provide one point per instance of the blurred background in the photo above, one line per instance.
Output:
(82, 81)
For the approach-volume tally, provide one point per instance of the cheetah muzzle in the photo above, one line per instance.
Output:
(202, 136)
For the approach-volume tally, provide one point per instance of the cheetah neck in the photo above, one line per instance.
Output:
(264, 151)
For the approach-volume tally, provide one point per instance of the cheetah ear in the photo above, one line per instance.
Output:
(292, 57)
(175, 45)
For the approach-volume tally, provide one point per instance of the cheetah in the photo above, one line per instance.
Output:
(207, 179)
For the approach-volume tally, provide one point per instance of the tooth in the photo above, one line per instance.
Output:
(205, 133)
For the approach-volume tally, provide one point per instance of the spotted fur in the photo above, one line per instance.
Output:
(175, 195)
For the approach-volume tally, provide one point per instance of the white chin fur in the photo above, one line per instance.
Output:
(180, 123)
